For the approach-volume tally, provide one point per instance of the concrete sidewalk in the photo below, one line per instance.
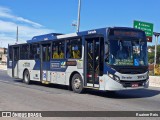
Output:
(154, 81)
(3, 67)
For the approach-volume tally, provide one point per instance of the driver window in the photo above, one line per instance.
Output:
(123, 50)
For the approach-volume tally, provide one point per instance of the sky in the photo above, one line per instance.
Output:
(36, 17)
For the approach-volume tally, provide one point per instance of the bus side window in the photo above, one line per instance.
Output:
(61, 55)
(34, 51)
(58, 50)
(68, 51)
(74, 49)
(16, 54)
(55, 54)
(61, 50)
(76, 52)
(24, 52)
(46, 52)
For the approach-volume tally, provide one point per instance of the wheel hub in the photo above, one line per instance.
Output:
(77, 83)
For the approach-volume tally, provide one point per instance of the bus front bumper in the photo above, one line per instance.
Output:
(113, 85)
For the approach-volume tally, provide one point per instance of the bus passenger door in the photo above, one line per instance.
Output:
(15, 60)
(45, 62)
(93, 60)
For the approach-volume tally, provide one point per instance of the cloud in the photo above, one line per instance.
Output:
(27, 28)
(8, 32)
(6, 39)
(28, 31)
(7, 26)
(6, 13)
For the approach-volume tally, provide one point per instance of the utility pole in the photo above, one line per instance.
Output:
(79, 10)
(156, 42)
(17, 35)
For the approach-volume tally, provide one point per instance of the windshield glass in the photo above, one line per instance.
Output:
(127, 52)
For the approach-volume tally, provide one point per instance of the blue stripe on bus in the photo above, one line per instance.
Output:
(37, 65)
(108, 69)
(53, 65)
(58, 65)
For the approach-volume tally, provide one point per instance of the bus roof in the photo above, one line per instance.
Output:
(50, 36)
(54, 36)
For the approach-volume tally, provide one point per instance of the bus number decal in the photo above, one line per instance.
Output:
(55, 65)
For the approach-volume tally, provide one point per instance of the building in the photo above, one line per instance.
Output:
(4, 58)
(3, 55)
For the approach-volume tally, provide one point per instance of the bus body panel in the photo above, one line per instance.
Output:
(62, 74)
(9, 71)
(29, 65)
(34, 75)
(50, 76)
(113, 85)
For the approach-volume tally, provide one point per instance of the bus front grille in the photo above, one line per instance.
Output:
(130, 83)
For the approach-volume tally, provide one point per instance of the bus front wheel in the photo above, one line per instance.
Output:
(77, 83)
(26, 77)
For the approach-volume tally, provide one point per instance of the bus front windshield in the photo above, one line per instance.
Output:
(127, 53)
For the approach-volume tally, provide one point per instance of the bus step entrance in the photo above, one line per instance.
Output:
(45, 82)
(90, 78)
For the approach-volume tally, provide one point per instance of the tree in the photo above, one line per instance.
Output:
(151, 54)
(151, 57)
(158, 54)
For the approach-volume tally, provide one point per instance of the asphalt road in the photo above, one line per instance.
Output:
(17, 96)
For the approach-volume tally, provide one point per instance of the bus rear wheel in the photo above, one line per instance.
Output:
(77, 83)
(26, 77)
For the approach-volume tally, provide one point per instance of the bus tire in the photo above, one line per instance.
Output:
(77, 83)
(26, 77)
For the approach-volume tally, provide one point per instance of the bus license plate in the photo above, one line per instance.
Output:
(135, 85)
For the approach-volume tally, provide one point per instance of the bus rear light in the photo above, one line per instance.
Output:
(89, 75)
(96, 75)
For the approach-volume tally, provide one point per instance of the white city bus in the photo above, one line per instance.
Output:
(112, 58)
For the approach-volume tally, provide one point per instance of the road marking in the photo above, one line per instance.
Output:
(35, 87)
(18, 83)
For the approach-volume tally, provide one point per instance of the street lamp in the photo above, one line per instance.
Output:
(79, 10)
(156, 42)
(17, 35)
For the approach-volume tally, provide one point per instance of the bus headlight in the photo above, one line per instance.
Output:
(114, 77)
(110, 75)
